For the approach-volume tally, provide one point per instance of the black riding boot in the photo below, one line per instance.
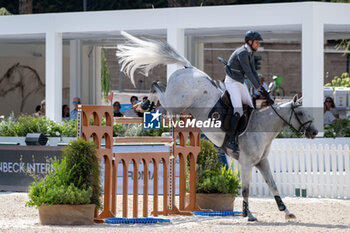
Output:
(232, 142)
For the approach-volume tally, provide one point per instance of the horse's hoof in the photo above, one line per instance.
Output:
(290, 216)
(252, 219)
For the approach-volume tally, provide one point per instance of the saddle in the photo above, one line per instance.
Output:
(223, 111)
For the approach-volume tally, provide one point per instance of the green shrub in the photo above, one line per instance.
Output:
(341, 128)
(73, 181)
(129, 130)
(224, 180)
(118, 130)
(288, 132)
(56, 188)
(69, 128)
(25, 124)
(212, 176)
(342, 81)
(156, 132)
(91, 120)
(82, 161)
(208, 158)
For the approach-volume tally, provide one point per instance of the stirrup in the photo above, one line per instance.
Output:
(233, 146)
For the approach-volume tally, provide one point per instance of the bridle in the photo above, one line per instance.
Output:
(303, 126)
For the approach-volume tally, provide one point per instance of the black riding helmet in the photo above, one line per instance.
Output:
(252, 35)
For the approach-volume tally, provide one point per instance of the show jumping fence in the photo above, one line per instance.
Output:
(307, 170)
(99, 133)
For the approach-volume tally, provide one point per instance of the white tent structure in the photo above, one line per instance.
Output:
(311, 23)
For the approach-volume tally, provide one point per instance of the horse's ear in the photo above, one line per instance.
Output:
(295, 99)
(300, 101)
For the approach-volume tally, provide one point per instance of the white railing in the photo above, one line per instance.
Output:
(306, 168)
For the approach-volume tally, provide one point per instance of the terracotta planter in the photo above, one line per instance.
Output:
(67, 214)
(214, 201)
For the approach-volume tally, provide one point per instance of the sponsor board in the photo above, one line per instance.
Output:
(17, 163)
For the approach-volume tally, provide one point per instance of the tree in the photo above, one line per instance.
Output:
(25, 6)
(105, 77)
(344, 44)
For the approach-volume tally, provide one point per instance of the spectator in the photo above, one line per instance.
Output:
(328, 117)
(74, 112)
(134, 100)
(37, 111)
(37, 108)
(132, 111)
(144, 98)
(42, 110)
(330, 106)
(65, 112)
(256, 93)
(116, 109)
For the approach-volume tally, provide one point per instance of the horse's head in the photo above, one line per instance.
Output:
(301, 120)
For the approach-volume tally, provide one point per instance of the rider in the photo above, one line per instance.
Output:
(239, 67)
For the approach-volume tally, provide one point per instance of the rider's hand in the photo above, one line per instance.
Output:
(266, 95)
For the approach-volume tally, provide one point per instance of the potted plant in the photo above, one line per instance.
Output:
(71, 191)
(15, 129)
(217, 185)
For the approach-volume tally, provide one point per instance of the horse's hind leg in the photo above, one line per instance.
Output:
(246, 173)
(264, 168)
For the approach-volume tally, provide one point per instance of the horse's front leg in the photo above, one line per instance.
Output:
(246, 173)
(264, 168)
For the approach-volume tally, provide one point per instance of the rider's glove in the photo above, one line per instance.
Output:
(266, 95)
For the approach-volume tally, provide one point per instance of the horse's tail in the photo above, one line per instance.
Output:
(146, 54)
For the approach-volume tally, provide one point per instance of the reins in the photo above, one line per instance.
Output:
(302, 125)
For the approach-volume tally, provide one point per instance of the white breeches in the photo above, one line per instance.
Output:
(239, 94)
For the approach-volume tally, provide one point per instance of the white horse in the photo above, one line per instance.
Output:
(191, 90)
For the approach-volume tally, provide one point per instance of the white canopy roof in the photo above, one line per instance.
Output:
(281, 21)
(311, 23)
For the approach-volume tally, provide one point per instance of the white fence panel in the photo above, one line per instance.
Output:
(315, 178)
(322, 170)
(327, 157)
(341, 183)
(277, 170)
(347, 170)
(308, 169)
(290, 180)
(311, 169)
(284, 175)
(296, 168)
(333, 166)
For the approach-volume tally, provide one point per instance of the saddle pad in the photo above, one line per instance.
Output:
(223, 111)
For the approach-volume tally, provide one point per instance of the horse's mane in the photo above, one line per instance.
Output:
(278, 105)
